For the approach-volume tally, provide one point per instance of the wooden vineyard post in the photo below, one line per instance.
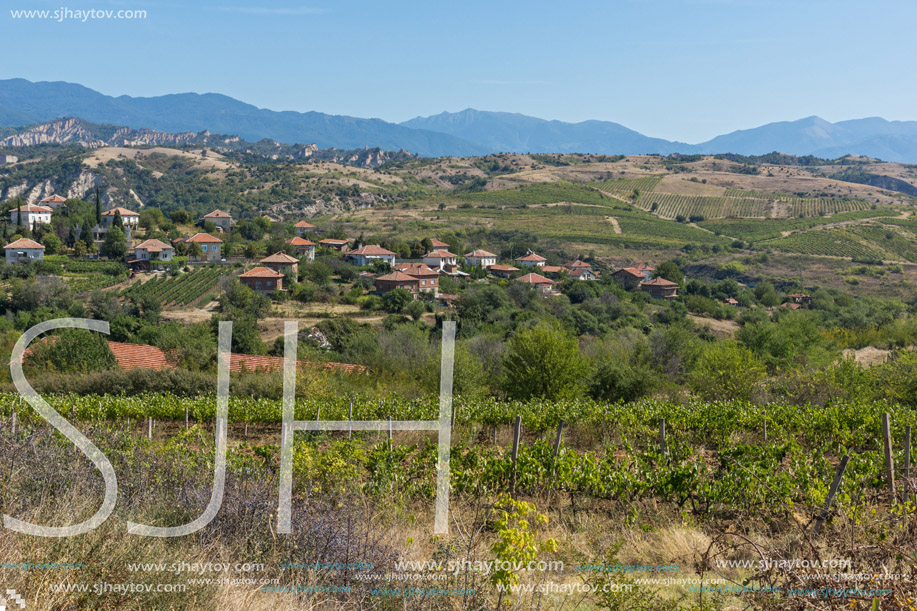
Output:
(662, 447)
(350, 419)
(832, 492)
(907, 460)
(557, 438)
(889, 460)
(517, 431)
(186, 418)
(389, 432)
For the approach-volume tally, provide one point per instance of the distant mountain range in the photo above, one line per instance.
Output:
(465, 133)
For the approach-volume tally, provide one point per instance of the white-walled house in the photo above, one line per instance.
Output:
(153, 250)
(31, 214)
(24, 250)
(531, 260)
(480, 258)
(438, 259)
(365, 255)
(129, 218)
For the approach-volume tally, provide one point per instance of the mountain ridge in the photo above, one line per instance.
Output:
(469, 132)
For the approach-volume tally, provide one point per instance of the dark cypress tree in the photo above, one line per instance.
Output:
(98, 207)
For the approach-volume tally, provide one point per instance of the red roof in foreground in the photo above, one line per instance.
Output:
(139, 356)
(24, 243)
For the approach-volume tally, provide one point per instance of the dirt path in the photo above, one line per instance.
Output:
(615, 225)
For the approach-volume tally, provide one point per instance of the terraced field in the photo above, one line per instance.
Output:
(831, 242)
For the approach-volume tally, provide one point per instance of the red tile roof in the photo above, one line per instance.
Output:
(397, 277)
(205, 238)
(439, 254)
(416, 269)
(581, 271)
(280, 258)
(371, 249)
(480, 253)
(33, 208)
(304, 225)
(24, 243)
(53, 199)
(300, 242)
(333, 241)
(531, 257)
(534, 278)
(261, 272)
(659, 282)
(139, 356)
(552, 269)
(152, 245)
(629, 271)
(502, 268)
(577, 264)
(437, 244)
(217, 214)
(122, 211)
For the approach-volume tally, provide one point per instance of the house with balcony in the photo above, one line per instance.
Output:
(24, 250)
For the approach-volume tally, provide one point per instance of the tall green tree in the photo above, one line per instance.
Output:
(115, 244)
(543, 361)
(98, 207)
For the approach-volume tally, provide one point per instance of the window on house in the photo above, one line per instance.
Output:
(257, 285)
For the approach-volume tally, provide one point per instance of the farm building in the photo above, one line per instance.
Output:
(24, 250)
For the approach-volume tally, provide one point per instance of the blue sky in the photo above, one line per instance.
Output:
(685, 70)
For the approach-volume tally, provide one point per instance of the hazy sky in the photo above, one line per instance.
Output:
(684, 70)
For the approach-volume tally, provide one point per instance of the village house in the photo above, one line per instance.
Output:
(544, 285)
(397, 280)
(503, 271)
(480, 258)
(303, 247)
(129, 218)
(210, 246)
(440, 259)
(334, 244)
(30, 214)
(800, 298)
(645, 270)
(281, 262)
(629, 277)
(53, 201)
(439, 245)
(582, 273)
(262, 280)
(530, 259)
(153, 250)
(575, 265)
(553, 269)
(731, 301)
(222, 220)
(302, 227)
(660, 288)
(24, 250)
(365, 255)
(429, 278)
